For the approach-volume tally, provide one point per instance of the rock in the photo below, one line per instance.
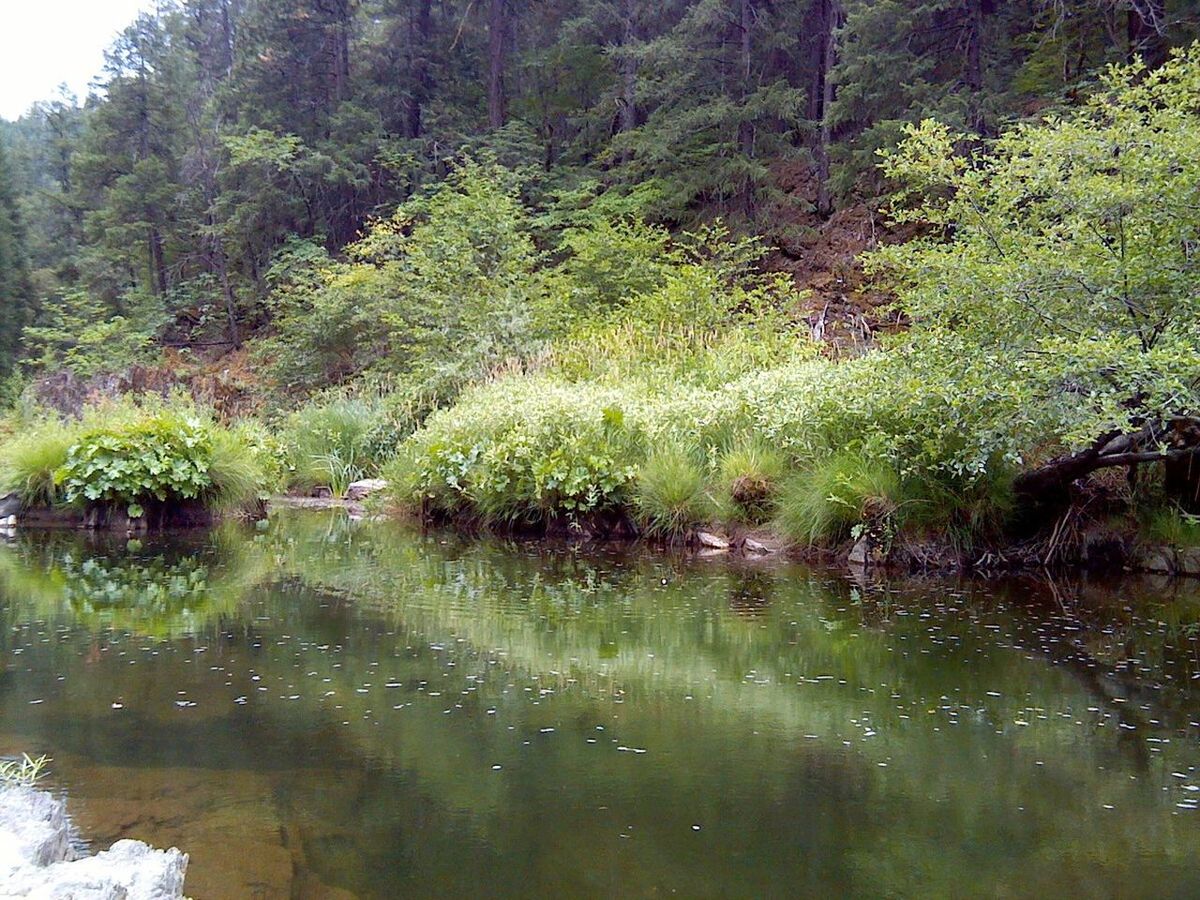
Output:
(10, 505)
(711, 541)
(36, 858)
(1188, 561)
(865, 553)
(360, 490)
(1156, 559)
(758, 548)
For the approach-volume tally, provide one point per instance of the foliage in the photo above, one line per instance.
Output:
(1065, 252)
(1170, 525)
(132, 454)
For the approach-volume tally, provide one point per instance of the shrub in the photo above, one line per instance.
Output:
(823, 504)
(670, 494)
(30, 459)
(130, 454)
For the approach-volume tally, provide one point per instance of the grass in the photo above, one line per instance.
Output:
(670, 494)
(1172, 526)
(236, 469)
(748, 480)
(29, 460)
(821, 505)
(335, 443)
(23, 772)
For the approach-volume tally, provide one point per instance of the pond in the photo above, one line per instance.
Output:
(323, 709)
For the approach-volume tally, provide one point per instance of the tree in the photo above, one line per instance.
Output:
(15, 293)
(1068, 249)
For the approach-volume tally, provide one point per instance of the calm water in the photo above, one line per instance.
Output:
(323, 710)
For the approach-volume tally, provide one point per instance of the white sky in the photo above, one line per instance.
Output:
(46, 42)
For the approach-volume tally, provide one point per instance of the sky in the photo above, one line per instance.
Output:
(46, 42)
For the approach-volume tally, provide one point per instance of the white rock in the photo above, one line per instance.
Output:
(712, 541)
(36, 860)
(360, 490)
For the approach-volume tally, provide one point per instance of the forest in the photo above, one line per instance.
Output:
(915, 273)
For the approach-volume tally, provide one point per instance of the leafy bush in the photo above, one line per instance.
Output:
(130, 454)
(670, 493)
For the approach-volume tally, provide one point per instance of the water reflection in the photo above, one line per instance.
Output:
(370, 710)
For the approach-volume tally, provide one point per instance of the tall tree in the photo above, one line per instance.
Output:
(15, 293)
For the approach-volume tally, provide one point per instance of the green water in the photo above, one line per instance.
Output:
(327, 710)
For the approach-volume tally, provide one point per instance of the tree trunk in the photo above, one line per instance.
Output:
(627, 114)
(745, 126)
(158, 261)
(497, 53)
(418, 49)
(973, 74)
(832, 20)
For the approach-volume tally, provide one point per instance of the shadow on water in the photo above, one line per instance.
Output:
(369, 711)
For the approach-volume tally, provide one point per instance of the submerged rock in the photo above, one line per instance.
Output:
(36, 859)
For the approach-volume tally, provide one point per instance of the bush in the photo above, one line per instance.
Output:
(1172, 526)
(129, 454)
(670, 494)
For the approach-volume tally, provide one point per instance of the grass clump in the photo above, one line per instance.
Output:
(1172, 526)
(334, 443)
(823, 504)
(748, 480)
(670, 494)
(31, 458)
(23, 772)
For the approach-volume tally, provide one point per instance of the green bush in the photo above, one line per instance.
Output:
(670, 494)
(130, 454)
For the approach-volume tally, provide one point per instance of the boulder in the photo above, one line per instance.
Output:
(10, 505)
(711, 541)
(361, 490)
(754, 547)
(37, 862)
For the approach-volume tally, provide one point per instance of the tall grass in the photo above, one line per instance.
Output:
(335, 443)
(821, 505)
(30, 459)
(670, 494)
(748, 480)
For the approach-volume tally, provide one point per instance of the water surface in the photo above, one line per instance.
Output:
(329, 710)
